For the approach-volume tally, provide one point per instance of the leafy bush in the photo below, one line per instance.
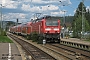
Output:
(34, 37)
(28, 37)
(2, 33)
(40, 40)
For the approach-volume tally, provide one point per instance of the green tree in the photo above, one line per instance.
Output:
(78, 25)
(88, 16)
(77, 22)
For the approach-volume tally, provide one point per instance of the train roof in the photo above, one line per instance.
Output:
(29, 23)
(47, 18)
(13, 27)
(24, 24)
(19, 25)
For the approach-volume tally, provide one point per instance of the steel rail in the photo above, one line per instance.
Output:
(35, 52)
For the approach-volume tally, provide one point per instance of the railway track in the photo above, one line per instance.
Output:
(82, 52)
(59, 52)
(35, 52)
(70, 52)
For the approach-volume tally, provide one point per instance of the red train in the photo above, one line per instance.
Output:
(46, 27)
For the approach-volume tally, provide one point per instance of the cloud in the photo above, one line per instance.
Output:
(14, 15)
(70, 15)
(53, 7)
(61, 2)
(37, 1)
(9, 4)
(88, 7)
(48, 7)
(74, 11)
(27, 7)
(54, 13)
(59, 13)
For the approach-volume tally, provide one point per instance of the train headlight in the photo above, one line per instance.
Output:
(56, 29)
(48, 29)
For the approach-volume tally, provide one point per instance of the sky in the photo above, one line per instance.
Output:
(24, 10)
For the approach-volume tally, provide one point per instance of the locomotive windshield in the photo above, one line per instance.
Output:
(51, 23)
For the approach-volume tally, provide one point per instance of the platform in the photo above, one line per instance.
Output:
(76, 40)
(9, 51)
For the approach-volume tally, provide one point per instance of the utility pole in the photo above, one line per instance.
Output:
(64, 16)
(1, 18)
(82, 20)
(64, 23)
(1, 14)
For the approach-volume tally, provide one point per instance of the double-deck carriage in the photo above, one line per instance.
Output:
(23, 29)
(19, 29)
(13, 29)
(26, 29)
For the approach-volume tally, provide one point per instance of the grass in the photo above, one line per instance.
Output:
(5, 39)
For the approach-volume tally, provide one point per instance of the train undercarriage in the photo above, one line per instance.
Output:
(52, 37)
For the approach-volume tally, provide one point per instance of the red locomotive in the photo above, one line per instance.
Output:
(46, 27)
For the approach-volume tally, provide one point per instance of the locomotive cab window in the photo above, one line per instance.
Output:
(52, 23)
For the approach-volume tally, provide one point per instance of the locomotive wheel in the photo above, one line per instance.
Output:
(58, 40)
